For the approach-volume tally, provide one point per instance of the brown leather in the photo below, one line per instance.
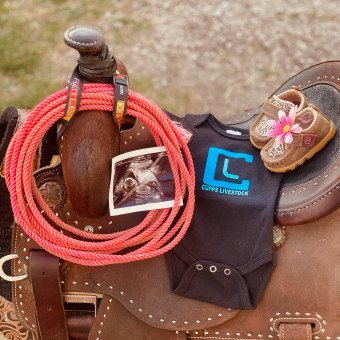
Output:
(88, 171)
(45, 278)
(311, 191)
(119, 323)
(79, 326)
(85, 39)
(10, 325)
(303, 287)
(135, 285)
(295, 331)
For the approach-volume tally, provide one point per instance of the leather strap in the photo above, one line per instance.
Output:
(79, 326)
(295, 331)
(47, 296)
(271, 109)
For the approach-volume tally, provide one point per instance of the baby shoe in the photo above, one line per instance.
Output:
(295, 143)
(284, 101)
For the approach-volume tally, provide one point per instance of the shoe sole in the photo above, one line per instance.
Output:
(309, 155)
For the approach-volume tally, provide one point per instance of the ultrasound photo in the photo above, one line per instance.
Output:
(141, 180)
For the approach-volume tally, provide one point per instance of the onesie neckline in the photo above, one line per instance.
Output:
(222, 129)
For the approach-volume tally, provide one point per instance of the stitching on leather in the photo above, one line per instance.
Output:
(80, 43)
(18, 286)
(283, 332)
(292, 319)
(291, 212)
(318, 81)
(308, 337)
(329, 169)
(215, 337)
(52, 171)
(162, 320)
(102, 322)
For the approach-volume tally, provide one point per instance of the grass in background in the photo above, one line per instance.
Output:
(22, 51)
(30, 32)
(35, 62)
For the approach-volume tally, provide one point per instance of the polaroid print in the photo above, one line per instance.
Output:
(141, 180)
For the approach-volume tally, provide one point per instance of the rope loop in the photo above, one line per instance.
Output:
(161, 229)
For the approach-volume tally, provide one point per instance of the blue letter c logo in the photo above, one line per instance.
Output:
(210, 169)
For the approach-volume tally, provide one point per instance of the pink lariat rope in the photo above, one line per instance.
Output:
(161, 229)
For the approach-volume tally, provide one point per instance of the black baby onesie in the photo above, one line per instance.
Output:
(226, 256)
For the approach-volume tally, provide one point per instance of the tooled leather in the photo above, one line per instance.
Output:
(259, 320)
(10, 326)
(303, 288)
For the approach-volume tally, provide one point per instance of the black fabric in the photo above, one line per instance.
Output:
(8, 123)
(226, 256)
(49, 146)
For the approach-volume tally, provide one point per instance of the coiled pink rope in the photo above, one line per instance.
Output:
(161, 229)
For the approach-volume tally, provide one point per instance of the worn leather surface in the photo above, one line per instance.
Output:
(10, 325)
(85, 39)
(87, 169)
(303, 287)
(295, 331)
(45, 278)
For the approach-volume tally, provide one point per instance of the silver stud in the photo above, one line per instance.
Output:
(88, 229)
(199, 267)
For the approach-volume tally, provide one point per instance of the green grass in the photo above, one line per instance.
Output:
(32, 30)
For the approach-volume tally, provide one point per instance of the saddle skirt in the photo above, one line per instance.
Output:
(134, 301)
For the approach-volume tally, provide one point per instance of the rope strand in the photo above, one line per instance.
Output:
(160, 231)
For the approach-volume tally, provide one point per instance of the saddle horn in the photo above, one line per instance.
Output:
(96, 63)
(92, 139)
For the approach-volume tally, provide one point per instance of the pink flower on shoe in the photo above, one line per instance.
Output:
(284, 129)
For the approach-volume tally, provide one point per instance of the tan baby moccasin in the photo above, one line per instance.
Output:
(270, 108)
(295, 143)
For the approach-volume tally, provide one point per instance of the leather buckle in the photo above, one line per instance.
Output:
(80, 303)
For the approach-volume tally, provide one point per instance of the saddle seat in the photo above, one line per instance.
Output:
(135, 298)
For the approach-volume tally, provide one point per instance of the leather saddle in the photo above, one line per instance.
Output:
(61, 300)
